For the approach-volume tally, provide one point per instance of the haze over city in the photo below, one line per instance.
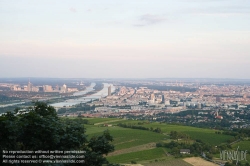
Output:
(125, 39)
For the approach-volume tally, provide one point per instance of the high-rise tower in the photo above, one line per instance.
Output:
(162, 99)
(29, 87)
(109, 91)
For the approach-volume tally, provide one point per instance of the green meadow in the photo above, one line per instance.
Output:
(132, 144)
(100, 120)
(125, 137)
(168, 162)
(145, 155)
(243, 146)
(240, 146)
(152, 157)
(205, 135)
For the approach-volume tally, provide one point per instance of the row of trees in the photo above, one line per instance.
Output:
(79, 107)
(244, 131)
(41, 129)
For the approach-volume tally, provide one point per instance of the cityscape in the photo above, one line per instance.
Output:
(162, 100)
(125, 83)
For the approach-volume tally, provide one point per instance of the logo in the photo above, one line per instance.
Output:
(234, 155)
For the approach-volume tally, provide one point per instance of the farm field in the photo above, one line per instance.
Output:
(145, 155)
(100, 120)
(210, 138)
(151, 145)
(125, 137)
(243, 146)
(139, 145)
(197, 161)
(205, 135)
(174, 162)
(96, 130)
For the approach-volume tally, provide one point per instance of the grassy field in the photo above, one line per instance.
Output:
(133, 122)
(125, 137)
(206, 135)
(173, 162)
(100, 120)
(148, 146)
(243, 146)
(210, 138)
(145, 155)
(139, 145)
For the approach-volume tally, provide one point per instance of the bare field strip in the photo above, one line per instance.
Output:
(151, 145)
(106, 122)
(197, 161)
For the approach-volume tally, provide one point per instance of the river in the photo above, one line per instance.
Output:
(98, 95)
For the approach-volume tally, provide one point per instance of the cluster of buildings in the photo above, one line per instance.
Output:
(216, 101)
(142, 102)
(44, 88)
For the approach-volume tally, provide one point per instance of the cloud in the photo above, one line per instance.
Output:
(73, 10)
(149, 19)
(229, 10)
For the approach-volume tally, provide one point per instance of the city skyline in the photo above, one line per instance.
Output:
(125, 39)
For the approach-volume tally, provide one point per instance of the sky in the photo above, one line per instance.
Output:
(125, 39)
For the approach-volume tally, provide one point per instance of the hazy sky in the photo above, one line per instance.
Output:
(125, 39)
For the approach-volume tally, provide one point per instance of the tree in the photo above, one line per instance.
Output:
(41, 129)
(174, 135)
(157, 130)
(175, 150)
